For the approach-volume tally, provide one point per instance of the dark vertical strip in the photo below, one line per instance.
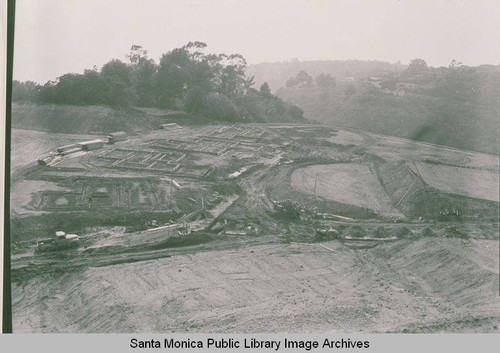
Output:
(7, 298)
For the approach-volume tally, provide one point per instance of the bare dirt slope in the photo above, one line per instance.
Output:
(427, 285)
(347, 183)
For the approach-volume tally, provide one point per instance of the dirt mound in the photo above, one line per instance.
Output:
(182, 241)
(171, 242)
(427, 232)
(400, 232)
(452, 232)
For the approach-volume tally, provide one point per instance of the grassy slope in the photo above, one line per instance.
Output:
(75, 119)
(60, 118)
(471, 125)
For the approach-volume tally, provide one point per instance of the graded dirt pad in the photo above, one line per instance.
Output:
(23, 191)
(424, 152)
(28, 145)
(342, 137)
(480, 184)
(426, 285)
(348, 183)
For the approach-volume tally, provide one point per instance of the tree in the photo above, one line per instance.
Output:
(233, 74)
(96, 88)
(172, 76)
(460, 81)
(249, 82)
(325, 81)
(195, 100)
(301, 79)
(455, 65)
(71, 89)
(212, 85)
(350, 90)
(265, 90)
(143, 75)
(198, 69)
(137, 54)
(144, 82)
(417, 66)
(196, 46)
(117, 78)
(24, 91)
(48, 92)
(304, 78)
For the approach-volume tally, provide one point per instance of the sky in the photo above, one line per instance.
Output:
(54, 37)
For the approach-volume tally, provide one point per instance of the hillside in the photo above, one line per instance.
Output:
(277, 73)
(62, 118)
(456, 107)
(78, 119)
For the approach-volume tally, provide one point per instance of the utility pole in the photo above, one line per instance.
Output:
(315, 184)
(170, 193)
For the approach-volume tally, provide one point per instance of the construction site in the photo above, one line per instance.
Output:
(252, 228)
